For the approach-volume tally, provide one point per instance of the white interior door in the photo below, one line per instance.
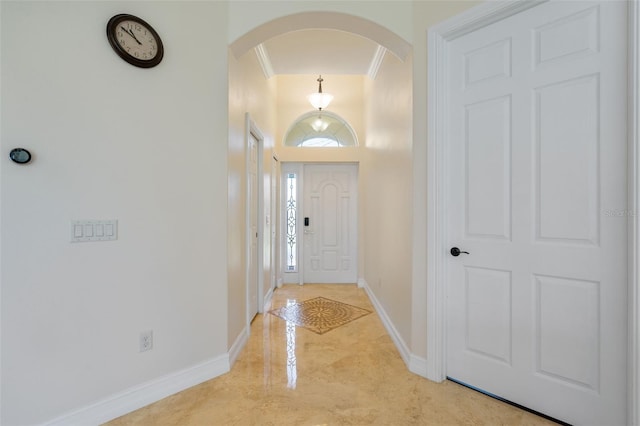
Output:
(330, 206)
(536, 312)
(252, 198)
(273, 223)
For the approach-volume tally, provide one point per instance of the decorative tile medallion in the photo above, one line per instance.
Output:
(319, 314)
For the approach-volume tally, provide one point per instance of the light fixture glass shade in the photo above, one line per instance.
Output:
(319, 125)
(320, 100)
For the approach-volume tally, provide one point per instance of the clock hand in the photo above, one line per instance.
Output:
(134, 37)
(131, 34)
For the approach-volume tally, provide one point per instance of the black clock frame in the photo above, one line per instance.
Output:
(112, 28)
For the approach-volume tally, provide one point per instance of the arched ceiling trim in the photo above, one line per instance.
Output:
(322, 20)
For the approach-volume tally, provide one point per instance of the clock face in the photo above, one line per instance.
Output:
(135, 40)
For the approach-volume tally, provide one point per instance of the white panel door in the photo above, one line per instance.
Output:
(330, 204)
(253, 194)
(536, 312)
(275, 174)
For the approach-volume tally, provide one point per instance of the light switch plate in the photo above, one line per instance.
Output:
(93, 230)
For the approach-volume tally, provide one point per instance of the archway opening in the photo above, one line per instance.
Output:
(324, 20)
(381, 138)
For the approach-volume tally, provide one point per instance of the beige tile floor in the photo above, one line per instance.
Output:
(352, 375)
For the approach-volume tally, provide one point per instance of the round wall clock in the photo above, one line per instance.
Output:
(134, 40)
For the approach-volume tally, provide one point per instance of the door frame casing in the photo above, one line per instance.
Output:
(273, 223)
(251, 129)
(439, 38)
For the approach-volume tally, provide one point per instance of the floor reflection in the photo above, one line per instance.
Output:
(292, 370)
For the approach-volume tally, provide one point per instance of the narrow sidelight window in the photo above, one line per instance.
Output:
(292, 252)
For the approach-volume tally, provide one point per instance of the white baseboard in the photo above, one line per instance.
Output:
(395, 336)
(418, 365)
(267, 300)
(144, 394)
(238, 345)
(279, 284)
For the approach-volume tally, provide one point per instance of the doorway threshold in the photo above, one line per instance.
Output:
(506, 401)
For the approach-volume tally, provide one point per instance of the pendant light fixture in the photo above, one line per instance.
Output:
(320, 100)
(319, 125)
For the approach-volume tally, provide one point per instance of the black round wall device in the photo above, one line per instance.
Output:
(20, 155)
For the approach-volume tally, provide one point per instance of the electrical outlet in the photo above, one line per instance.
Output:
(146, 341)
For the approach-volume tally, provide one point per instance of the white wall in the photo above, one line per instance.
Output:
(110, 141)
(387, 174)
(250, 92)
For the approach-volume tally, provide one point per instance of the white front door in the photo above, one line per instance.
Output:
(330, 223)
(537, 311)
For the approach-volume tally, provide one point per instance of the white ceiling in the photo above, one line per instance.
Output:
(320, 51)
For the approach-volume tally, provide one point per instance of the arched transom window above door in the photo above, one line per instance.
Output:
(320, 129)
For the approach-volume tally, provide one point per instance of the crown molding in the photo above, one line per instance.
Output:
(376, 61)
(265, 61)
